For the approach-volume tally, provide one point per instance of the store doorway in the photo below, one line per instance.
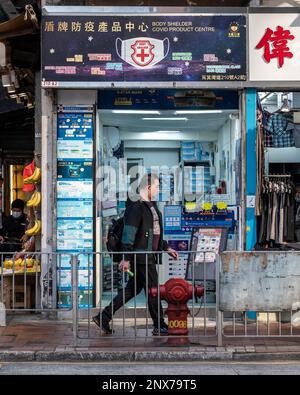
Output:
(278, 185)
(192, 141)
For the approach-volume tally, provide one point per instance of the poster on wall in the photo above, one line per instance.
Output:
(75, 224)
(102, 48)
(274, 47)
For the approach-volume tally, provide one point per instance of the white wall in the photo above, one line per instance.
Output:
(76, 97)
(283, 155)
(155, 157)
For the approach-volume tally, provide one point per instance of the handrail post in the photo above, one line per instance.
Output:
(74, 261)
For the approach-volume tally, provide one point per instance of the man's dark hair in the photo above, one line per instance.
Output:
(147, 180)
(18, 203)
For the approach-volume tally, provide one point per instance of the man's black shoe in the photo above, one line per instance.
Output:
(162, 331)
(104, 325)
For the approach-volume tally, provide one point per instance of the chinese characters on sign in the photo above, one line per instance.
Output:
(274, 47)
(149, 48)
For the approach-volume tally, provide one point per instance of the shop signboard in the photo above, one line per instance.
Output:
(274, 47)
(158, 48)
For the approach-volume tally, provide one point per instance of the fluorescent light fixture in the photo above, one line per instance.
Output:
(165, 119)
(198, 112)
(136, 112)
(166, 131)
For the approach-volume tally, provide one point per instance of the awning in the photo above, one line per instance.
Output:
(26, 23)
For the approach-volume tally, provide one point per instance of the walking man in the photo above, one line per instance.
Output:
(143, 231)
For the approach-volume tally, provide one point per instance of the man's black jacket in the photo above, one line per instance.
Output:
(138, 232)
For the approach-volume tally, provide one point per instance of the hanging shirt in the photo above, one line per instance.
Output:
(281, 129)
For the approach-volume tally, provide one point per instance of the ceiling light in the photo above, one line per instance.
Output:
(166, 131)
(165, 119)
(198, 112)
(136, 112)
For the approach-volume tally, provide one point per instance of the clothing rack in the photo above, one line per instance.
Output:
(277, 175)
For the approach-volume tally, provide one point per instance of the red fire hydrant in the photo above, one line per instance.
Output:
(177, 292)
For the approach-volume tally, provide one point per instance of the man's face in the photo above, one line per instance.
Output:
(297, 194)
(16, 212)
(153, 189)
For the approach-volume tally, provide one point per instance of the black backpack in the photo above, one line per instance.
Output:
(114, 238)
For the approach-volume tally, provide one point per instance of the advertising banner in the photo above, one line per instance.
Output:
(143, 48)
(75, 199)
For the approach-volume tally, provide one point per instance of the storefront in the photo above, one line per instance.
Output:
(136, 90)
(20, 202)
(278, 110)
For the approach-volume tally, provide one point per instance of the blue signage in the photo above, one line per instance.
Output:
(172, 218)
(75, 224)
(168, 99)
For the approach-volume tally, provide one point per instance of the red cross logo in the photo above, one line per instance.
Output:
(142, 52)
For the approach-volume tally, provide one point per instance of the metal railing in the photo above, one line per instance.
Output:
(32, 283)
(28, 281)
(259, 324)
(133, 318)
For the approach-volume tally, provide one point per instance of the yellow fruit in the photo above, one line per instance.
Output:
(35, 199)
(35, 177)
(31, 231)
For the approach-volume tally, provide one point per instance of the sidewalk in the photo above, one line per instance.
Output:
(34, 338)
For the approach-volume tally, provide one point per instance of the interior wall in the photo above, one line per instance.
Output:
(283, 155)
(154, 157)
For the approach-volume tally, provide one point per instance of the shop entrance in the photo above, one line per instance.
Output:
(192, 141)
(17, 144)
(278, 185)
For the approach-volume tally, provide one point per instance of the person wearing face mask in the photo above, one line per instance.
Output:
(14, 227)
(297, 213)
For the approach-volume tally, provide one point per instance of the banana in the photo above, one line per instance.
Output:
(38, 199)
(37, 174)
(35, 177)
(35, 199)
(31, 231)
(38, 228)
(32, 199)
